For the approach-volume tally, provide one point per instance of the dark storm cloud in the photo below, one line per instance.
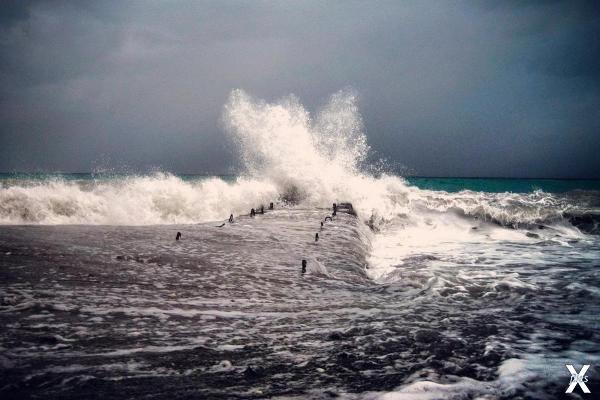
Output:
(446, 88)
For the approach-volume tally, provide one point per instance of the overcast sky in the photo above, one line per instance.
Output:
(446, 88)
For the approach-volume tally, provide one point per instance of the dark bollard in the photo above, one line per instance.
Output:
(303, 266)
(231, 218)
(316, 237)
(270, 206)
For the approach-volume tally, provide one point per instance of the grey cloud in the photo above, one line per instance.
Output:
(448, 88)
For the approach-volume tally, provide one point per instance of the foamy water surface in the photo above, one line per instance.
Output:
(424, 294)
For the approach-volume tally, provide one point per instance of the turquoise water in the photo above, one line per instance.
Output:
(493, 185)
(499, 185)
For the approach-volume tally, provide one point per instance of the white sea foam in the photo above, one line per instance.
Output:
(512, 374)
(160, 198)
(287, 155)
(294, 158)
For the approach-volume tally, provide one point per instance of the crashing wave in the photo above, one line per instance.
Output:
(291, 157)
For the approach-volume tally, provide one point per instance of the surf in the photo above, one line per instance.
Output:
(294, 158)
(460, 284)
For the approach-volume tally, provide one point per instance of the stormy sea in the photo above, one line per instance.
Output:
(423, 288)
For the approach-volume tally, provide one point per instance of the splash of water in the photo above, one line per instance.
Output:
(160, 198)
(309, 160)
(288, 155)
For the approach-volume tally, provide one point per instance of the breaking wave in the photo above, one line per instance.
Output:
(290, 157)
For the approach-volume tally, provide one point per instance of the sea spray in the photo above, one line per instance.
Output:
(310, 161)
(160, 198)
(290, 157)
(287, 156)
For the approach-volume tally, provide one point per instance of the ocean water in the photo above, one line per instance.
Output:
(438, 288)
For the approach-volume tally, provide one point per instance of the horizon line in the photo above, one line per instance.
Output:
(215, 174)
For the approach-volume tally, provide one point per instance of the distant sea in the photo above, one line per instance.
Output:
(447, 184)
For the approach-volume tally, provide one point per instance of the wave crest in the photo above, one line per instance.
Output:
(290, 156)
